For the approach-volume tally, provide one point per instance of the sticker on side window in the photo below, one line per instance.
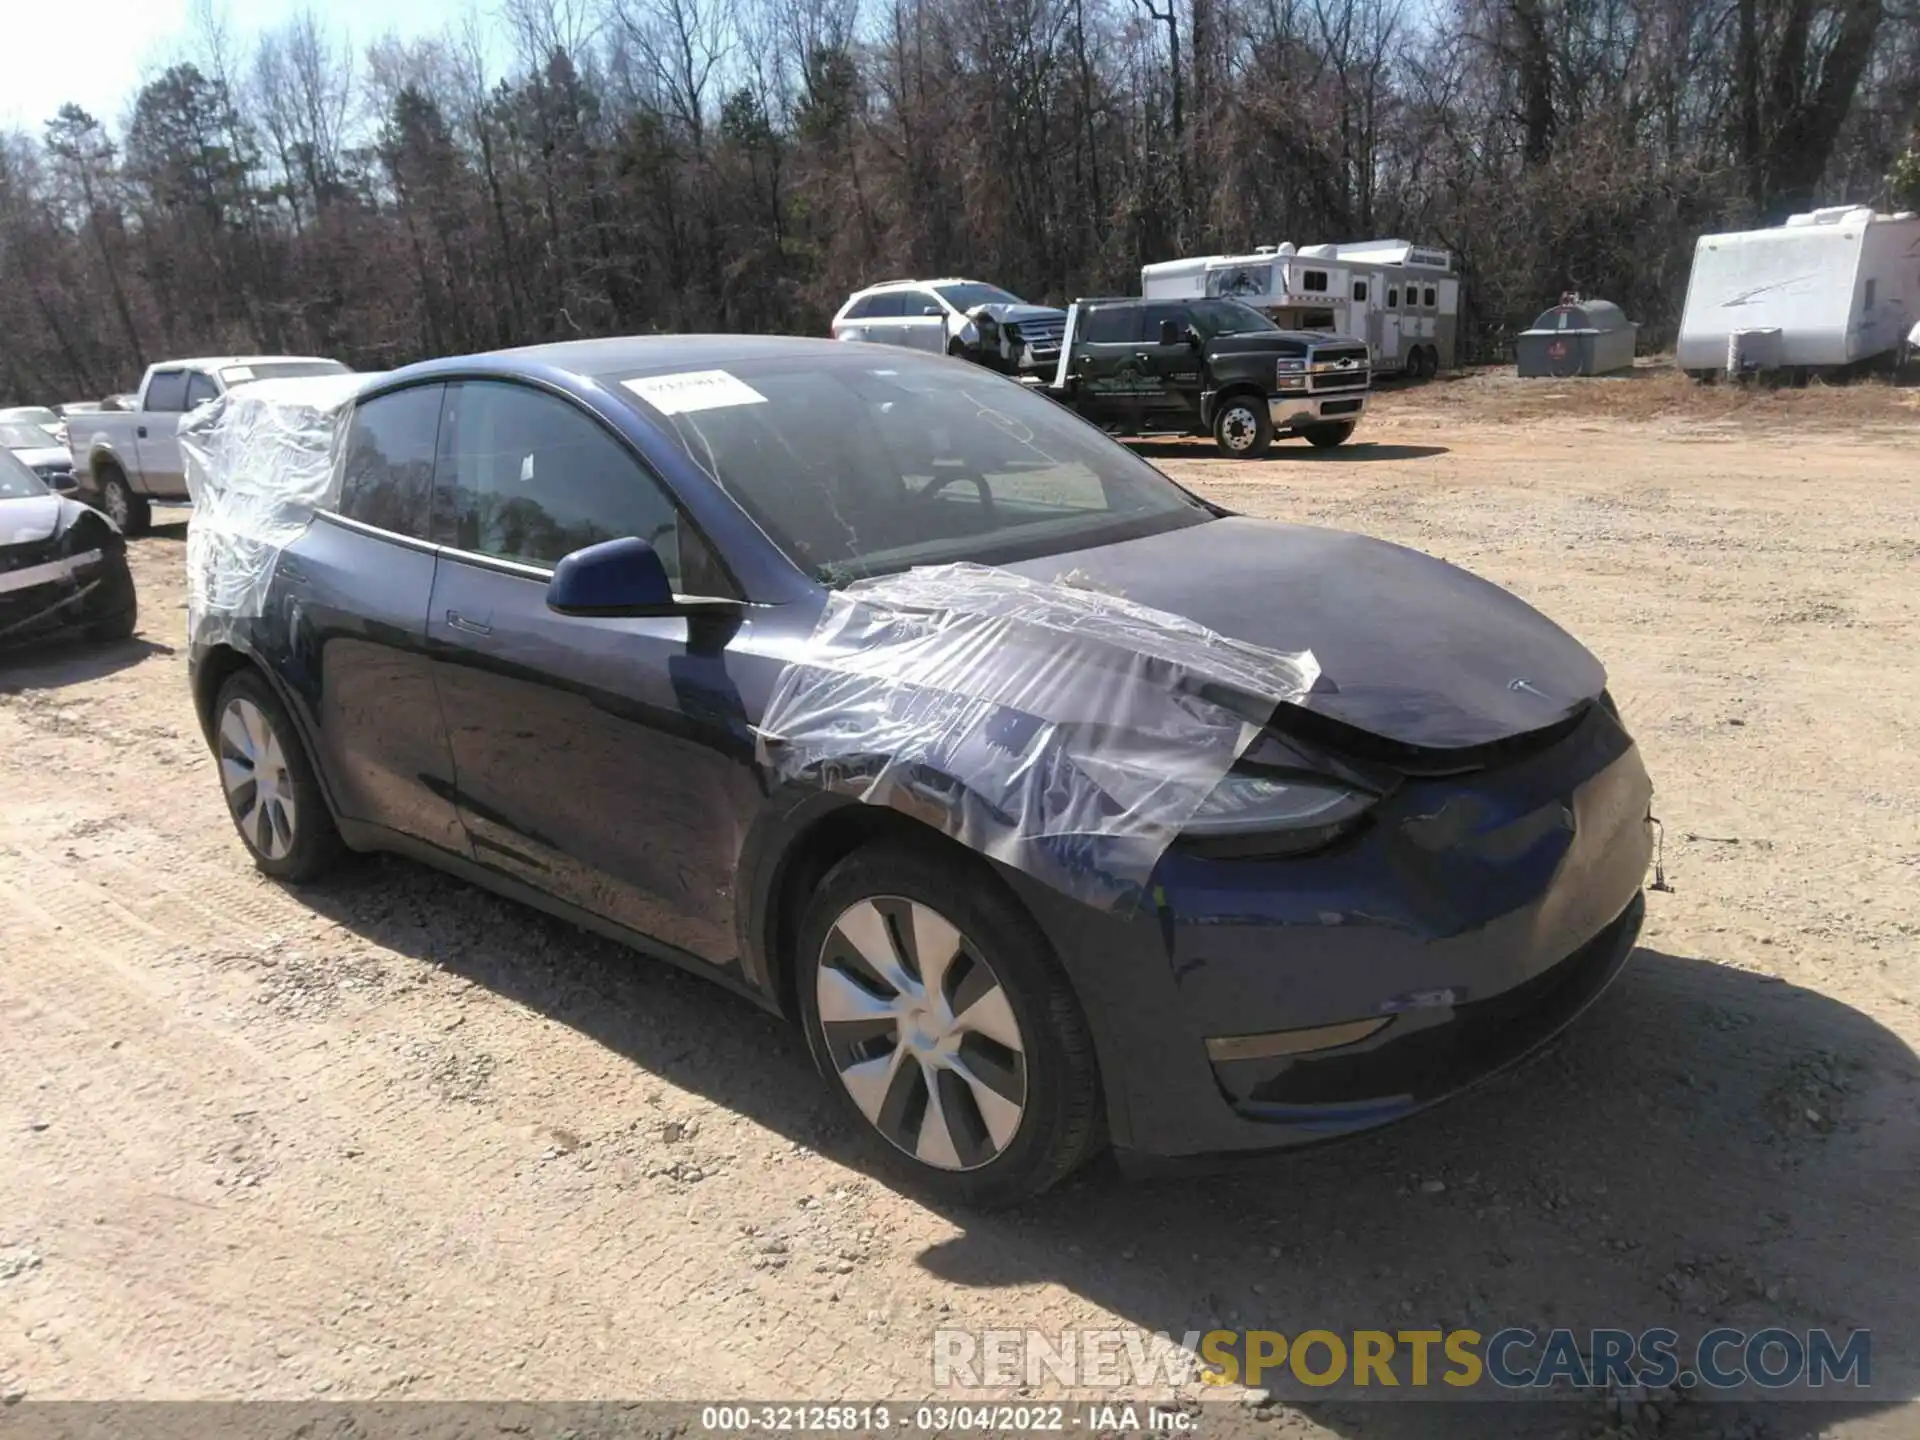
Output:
(694, 390)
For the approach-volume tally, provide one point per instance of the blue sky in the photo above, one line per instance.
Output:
(98, 53)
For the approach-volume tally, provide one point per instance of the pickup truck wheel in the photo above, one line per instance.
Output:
(127, 510)
(1242, 428)
(1326, 437)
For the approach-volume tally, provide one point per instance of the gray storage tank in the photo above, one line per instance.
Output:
(1577, 337)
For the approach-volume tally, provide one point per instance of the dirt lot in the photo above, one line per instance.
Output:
(396, 1138)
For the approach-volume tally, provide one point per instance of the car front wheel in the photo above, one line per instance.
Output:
(937, 1013)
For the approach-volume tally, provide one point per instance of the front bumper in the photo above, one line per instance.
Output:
(54, 595)
(1479, 914)
(1292, 412)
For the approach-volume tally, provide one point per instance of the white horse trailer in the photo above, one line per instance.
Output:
(1402, 299)
(1829, 288)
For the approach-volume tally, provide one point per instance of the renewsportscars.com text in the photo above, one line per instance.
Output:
(1431, 1361)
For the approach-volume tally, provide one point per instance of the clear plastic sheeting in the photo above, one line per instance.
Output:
(1066, 732)
(259, 461)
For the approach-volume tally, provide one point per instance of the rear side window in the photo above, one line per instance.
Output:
(1427, 297)
(167, 391)
(200, 390)
(888, 305)
(529, 477)
(861, 308)
(1359, 289)
(1315, 280)
(1112, 325)
(388, 474)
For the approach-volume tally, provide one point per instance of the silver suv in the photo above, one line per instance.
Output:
(956, 317)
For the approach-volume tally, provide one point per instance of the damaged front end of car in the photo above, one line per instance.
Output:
(63, 566)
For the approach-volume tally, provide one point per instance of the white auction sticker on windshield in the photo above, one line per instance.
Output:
(694, 390)
(234, 374)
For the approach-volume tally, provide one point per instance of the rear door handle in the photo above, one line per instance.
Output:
(289, 571)
(472, 627)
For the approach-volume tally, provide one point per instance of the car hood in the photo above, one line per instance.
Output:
(29, 519)
(1410, 648)
(44, 455)
(1013, 314)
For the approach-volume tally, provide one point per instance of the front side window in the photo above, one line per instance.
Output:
(200, 390)
(966, 294)
(1314, 280)
(1427, 297)
(1393, 298)
(167, 391)
(388, 473)
(529, 477)
(1360, 290)
(859, 466)
(920, 304)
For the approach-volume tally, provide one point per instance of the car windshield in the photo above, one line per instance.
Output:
(16, 480)
(1227, 317)
(861, 466)
(969, 293)
(279, 370)
(19, 435)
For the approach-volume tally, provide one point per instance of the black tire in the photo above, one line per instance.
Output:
(312, 845)
(1242, 427)
(127, 510)
(122, 608)
(1059, 1115)
(1429, 363)
(1328, 436)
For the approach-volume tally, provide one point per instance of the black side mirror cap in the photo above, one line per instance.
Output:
(1172, 333)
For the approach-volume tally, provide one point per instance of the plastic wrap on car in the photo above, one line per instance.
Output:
(259, 461)
(1060, 730)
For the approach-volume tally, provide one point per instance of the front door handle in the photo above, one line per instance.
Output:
(141, 431)
(472, 627)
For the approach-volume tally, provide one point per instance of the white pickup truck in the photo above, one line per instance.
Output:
(123, 459)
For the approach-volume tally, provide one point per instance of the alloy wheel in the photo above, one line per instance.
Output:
(253, 771)
(1239, 428)
(113, 500)
(921, 1033)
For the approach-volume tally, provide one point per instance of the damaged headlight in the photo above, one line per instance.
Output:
(1252, 815)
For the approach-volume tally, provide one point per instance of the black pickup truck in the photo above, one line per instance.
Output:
(1208, 367)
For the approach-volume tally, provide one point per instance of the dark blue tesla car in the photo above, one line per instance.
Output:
(532, 636)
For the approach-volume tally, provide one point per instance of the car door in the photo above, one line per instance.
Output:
(600, 760)
(1105, 363)
(352, 593)
(1170, 396)
(157, 434)
(884, 320)
(923, 321)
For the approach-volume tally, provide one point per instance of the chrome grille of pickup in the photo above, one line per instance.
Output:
(1333, 368)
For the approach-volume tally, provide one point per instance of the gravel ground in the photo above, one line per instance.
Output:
(394, 1138)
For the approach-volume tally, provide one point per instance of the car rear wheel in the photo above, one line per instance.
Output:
(1242, 428)
(270, 787)
(130, 512)
(936, 1011)
(1328, 437)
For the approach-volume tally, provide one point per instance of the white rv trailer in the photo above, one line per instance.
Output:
(1402, 299)
(1828, 288)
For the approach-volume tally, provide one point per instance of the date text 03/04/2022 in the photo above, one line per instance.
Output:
(942, 1418)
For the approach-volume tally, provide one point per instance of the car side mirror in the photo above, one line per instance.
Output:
(1172, 332)
(615, 577)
